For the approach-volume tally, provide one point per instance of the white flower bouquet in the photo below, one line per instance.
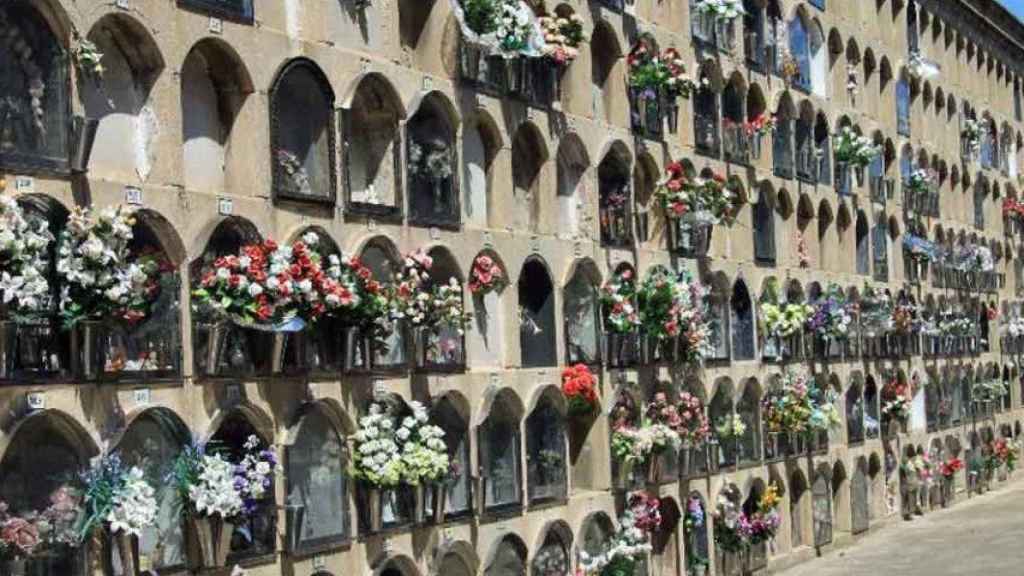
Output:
(377, 456)
(117, 497)
(721, 9)
(424, 453)
(213, 486)
(731, 426)
(24, 247)
(855, 149)
(101, 277)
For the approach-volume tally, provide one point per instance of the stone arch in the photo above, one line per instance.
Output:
(529, 157)
(572, 164)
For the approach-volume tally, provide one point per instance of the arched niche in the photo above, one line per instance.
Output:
(45, 452)
(302, 135)
(381, 257)
(665, 541)
(552, 557)
(607, 74)
(546, 449)
(486, 343)
(615, 196)
(432, 162)
(581, 313)
(451, 413)
(35, 64)
(42, 349)
(748, 410)
(317, 489)
(799, 510)
(499, 444)
(538, 343)
(214, 86)
(256, 534)
(507, 557)
(529, 156)
(371, 159)
(222, 348)
(152, 442)
(481, 143)
(128, 125)
(645, 183)
(741, 322)
(444, 347)
(573, 193)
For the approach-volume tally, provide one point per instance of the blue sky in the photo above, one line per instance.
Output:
(1015, 6)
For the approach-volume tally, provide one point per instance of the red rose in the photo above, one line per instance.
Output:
(20, 534)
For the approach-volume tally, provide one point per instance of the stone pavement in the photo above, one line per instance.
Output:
(983, 536)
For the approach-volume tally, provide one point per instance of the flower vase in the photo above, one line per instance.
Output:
(647, 349)
(127, 549)
(419, 504)
(213, 536)
(374, 501)
(470, 61)
(654, 469)
(8, 348)
(684, 458)
(419, 344)
(15, 567)
(672, 114)
(639, 105)
(440, 502)
(216, 334)
(87, 348)
(353, 359)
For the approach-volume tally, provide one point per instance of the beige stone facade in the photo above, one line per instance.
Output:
(192, 110)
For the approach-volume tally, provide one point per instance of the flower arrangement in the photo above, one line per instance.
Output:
(1014, 327)
(389, 452)
(706, 201)
(950, 467)
(88, 58)
(579, 385)
(1003, 453)
(855, 149)
(416, 298)
(212, 486)
(721, 9)
(295, 170)
(618, 299)
(694, 427)
(117, 497)
(672, 305)
(730, 426)
(876, 312)
(972, 134)
(430, 160)
(424, 453)
(100, 276)
(679, 84)
(919, 248)
(562, 37)
(515, 25)
(973, 258)
(1013, 208)
(486, 275)
(630, 543)
(787, 405)
(784, 320)
(896, 400)
(763, 125)
(802, 254)
(852, 83)
(271, 284)
(832, 315)
(353, 295)
(736, 530)
(647, 73)
(790, 67)
(30, 534)
(655, 433)
(991, 390)
(905, 317)
(24, 246)
(920, 181)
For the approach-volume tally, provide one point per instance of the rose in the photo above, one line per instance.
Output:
(21, 534)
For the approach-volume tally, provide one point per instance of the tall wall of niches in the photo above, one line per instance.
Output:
(384, 127)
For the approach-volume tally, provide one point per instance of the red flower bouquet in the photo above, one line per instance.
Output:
(271, 284)
(486, 275)
(950, 467)
(580, 388)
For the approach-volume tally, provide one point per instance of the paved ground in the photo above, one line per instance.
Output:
(983, 536)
